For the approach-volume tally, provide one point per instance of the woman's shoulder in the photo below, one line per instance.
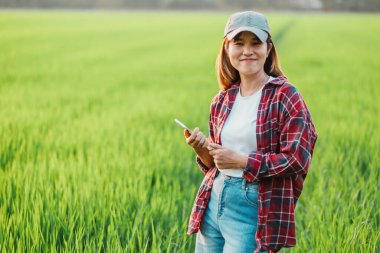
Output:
(288, 95)
(217, 99)
(283, 85)
(220, 96)
(284, 88)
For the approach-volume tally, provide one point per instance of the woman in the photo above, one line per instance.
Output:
(259, 148)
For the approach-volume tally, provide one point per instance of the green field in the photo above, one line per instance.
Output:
(91, 160)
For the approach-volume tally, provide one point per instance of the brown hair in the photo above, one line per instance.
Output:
(228, 75)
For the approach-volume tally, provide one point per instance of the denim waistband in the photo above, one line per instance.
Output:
(238, 181)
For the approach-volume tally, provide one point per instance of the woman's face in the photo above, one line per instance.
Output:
(247, 53)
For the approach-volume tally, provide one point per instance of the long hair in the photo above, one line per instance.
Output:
(228, 75)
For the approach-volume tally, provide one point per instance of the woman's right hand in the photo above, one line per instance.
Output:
(196, 140)
(199, 143)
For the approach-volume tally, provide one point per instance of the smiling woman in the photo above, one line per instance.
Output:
(259, 148)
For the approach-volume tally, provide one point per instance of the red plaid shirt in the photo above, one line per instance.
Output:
(285, 141)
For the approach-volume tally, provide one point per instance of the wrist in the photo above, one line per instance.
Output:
(200, 151)
(242, 161)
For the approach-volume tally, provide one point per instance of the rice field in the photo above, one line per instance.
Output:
(92, 161)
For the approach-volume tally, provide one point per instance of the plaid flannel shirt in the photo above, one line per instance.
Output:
(285, 141)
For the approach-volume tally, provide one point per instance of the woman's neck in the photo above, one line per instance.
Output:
(251, 84)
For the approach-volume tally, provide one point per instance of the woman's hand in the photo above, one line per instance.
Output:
(225, 158)
(196, 140)
(199, 143)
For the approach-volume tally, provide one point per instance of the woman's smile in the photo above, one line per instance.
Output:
(248, 60)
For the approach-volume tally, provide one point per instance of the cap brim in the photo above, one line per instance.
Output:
(262, 35)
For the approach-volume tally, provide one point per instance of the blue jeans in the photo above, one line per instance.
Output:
(230, 220)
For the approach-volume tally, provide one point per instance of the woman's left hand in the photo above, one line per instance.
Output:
(225, 158)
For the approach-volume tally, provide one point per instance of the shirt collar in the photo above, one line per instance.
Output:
(280, 80)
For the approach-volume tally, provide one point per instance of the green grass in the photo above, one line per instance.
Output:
(91, 160)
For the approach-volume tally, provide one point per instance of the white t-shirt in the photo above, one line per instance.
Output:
(239, 130)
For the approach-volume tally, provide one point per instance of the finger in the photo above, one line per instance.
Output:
(195, 132)
(202, 142)
(190, 140)
(214, 146)
(213, 152)
(197, 141)
(193, 135)
(200, 139)
(205, 144)
(219, 166)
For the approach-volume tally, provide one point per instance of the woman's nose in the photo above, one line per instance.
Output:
(247, 50)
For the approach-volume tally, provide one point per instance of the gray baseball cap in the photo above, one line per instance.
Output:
(250, 21)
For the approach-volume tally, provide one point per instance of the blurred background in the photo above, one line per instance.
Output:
(305, 5)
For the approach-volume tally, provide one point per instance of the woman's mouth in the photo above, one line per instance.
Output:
(248, 59)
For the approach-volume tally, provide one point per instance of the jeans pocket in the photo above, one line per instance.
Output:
(251, 197)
